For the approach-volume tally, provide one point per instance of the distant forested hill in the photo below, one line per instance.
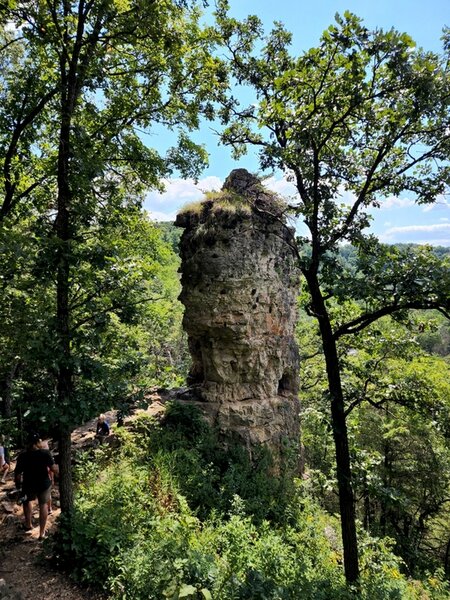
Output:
(348, 252)
(170, 234)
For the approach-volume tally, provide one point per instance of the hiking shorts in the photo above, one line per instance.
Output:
(43, 497)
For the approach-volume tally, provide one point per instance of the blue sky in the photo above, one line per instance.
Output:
(399, 220)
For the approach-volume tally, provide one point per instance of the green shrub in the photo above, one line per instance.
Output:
(161, 518)
(208, 475)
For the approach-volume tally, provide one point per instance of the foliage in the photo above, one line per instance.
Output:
(170, 234)
(136, 534)
(210, 475)
(80, 83)
(398, 409)
(174, 515)
(126, 322)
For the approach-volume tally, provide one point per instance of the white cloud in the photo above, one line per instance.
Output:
(436, 234)
(156, 215)
(349, 198)
(440, 204)
(178, 192)
(395, 202)
(163, 207)
(423, 228)
(391, 202)
(282, 186)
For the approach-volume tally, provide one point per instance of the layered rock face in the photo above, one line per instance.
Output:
(239, 289)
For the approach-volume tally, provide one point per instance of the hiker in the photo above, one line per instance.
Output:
(102, 428)
(4, 460)
(44, 446)
(32, 473)
(120, 418)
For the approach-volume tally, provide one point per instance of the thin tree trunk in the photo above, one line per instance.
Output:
(447, 559)
(386, 483)
(65, 374)
(367, 507)
(65, 471)
(340, 434)
(343, 472)
(63, 233)
(71, 84)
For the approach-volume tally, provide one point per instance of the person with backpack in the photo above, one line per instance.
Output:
(32, 473)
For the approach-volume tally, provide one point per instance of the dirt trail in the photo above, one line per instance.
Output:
(26, 571)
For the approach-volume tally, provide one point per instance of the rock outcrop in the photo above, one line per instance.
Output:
(239, 289)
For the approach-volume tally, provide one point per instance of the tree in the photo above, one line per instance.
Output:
(82, 78)
(365, 113)
(397, 414)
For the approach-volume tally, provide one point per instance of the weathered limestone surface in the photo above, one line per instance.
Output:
(239, 289)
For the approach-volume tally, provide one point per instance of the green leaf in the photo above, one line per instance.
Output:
(186, 590)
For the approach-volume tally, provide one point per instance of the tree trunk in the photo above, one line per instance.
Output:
(384, 511)
(65, 376)
(340, 435)
(343, 472)
(71, 84)
(65, 367)
(447, 559)
(367, 507)
(65, 471)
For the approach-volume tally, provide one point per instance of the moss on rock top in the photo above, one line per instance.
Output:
(241, 194)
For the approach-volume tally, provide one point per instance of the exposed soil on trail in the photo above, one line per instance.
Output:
(28, 573)
(26, 569)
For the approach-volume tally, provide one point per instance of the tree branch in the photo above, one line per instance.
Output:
(366, 319)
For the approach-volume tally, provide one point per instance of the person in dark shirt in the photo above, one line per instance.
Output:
(32, 473)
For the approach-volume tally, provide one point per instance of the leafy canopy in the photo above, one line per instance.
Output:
(365, 112)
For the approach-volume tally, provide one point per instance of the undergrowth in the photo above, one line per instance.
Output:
(171, 515)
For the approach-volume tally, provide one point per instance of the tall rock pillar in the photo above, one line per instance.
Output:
(239, 289)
